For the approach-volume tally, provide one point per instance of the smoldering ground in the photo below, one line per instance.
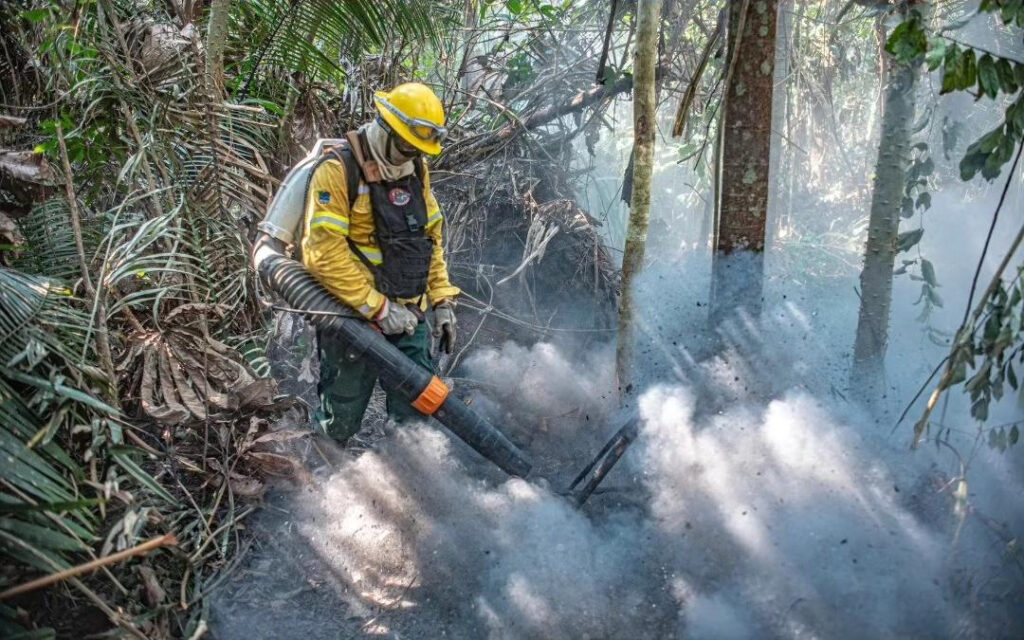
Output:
(757, 502)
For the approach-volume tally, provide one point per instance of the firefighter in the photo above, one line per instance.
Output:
(372, 237)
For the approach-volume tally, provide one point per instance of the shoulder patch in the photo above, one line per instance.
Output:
(323, 197)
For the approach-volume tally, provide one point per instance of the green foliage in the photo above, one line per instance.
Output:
(1002, 438)
(916, 199)
(991, 349)
(908, 41)
(1010, 11)
(321, 38)
(959, 69)
(965, 69)
(46, 395)
(989, 153)
(521, 9)
(908, 239)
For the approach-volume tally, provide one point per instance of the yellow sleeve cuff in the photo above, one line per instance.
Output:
(374, 301)
(440, 294)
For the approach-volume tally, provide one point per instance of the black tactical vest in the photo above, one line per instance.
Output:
(400, 221)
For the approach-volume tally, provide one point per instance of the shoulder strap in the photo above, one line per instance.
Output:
(356, 142)
(419, 167)
(343, 154)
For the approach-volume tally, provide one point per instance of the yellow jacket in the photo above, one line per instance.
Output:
(327, 255)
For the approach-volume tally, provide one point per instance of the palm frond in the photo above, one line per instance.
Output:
(42, 393)
(50, 244)
(316, 36)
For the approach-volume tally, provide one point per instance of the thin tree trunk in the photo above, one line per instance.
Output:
(216, 40)
(102, 339)
(745, 157)
(883, 72)
(644, 113)
(883, 225)
(780, 117)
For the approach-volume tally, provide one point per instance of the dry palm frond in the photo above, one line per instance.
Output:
(184, 376)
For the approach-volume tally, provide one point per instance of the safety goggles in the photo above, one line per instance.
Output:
(422, 129)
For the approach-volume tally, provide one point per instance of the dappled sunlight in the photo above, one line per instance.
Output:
(734, 515)
(803, 516)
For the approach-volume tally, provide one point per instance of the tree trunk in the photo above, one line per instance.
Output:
(745, 153)
(216, 40)
(781, 146)
(883, 225)
(644, 113)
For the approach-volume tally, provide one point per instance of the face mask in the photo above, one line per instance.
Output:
(400, 152)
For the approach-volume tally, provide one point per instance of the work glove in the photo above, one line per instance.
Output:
(394, 319)
(444, 325)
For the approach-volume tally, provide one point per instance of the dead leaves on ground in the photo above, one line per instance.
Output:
(182, 375)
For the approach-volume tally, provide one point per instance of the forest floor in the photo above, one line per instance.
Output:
(758, 501)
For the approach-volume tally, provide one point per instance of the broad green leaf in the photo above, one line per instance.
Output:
(35, 15)
(908, 239)
(1007, 80)
(999, 156)
(44, 537)
(952, 69)
(907, 207)
(988, 76)
(1008, 10)
(924, 200)
(1015, 115)
(972, 162)
(970, 70)
(928, 272)
(908, 41)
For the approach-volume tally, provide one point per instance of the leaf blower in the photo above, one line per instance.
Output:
(289, 279)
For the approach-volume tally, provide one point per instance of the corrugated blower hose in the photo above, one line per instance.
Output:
(425, 391)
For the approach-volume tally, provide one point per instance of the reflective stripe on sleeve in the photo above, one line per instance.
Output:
(330, 221)
(434, 216)
(371, 253)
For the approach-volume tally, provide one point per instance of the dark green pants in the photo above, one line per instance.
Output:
(346, 385)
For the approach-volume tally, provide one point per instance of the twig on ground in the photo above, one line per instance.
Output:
(141, 549)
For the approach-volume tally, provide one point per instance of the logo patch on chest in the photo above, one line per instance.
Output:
(399, 196)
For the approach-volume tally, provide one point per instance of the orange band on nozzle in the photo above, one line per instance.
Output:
(431, 399)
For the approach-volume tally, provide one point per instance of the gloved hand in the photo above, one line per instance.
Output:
(394, 319)
(444, 325)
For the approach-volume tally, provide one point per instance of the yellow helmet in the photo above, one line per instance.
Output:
(414, 113)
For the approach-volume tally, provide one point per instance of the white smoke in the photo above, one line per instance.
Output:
(792, 517)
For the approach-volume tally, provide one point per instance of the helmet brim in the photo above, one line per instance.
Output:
(429, 147)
